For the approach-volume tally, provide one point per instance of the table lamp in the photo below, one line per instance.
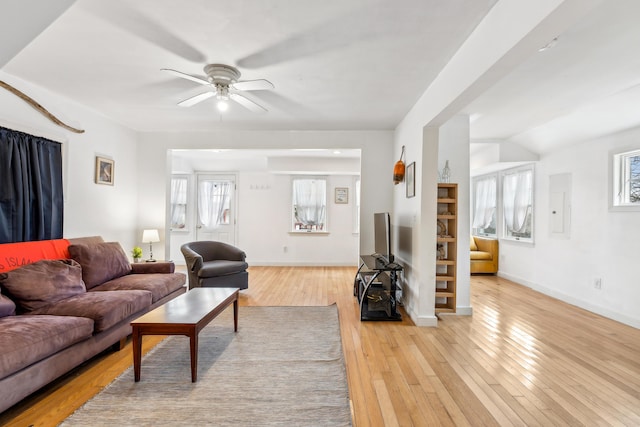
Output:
(150, 236)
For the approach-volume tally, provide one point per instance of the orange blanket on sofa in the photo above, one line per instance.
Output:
(14, 255)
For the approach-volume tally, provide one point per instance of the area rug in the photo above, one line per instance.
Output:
(284, 366)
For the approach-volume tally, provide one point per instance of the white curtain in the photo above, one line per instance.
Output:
(178, 202)
(213, 200)
(309, 201)
(516, 199)
(485, 202)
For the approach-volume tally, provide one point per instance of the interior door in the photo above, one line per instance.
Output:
(216, 206)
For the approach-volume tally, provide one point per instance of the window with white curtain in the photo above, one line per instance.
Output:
(485, 203)
(309, 204)
(626, 179)
(179, 196)
(213, 203)
(517, 203)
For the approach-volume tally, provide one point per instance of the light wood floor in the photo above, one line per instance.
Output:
(521, 359)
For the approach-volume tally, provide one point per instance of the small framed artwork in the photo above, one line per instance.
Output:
(104, 170)
(342, 195)
(411, 180)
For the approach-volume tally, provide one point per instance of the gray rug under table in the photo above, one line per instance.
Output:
(284, 366)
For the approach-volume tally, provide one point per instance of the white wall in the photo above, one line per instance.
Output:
(454, 147)
(264, 223)
(601, 244)
(494, 48)
(89, 209)
(376, 172)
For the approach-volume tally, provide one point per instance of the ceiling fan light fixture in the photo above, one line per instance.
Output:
(222, 96)
(222, 105)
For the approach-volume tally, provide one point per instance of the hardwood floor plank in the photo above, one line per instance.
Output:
(523, 358)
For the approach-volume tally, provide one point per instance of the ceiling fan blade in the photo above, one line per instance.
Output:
(186, 76)
(247, 103)
(196, 99)
(259, 84)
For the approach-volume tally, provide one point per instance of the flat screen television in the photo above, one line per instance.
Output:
(382, 236)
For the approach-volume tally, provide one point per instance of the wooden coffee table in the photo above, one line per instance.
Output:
(185, 315)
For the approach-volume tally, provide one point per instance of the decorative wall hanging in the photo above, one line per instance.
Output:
(38, 107)
(104, 170)
(411, 179)
(342, 195)
(398, 170)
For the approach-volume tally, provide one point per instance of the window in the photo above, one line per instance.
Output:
(485, 202)
(626, 179)
(309, 204)
(214, 200)
(517, 203)
(179, 191)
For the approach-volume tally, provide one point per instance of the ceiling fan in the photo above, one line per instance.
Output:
(225, 84)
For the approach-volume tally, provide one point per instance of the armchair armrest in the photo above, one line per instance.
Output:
(153, 267)
(487, 245)
(219, 251)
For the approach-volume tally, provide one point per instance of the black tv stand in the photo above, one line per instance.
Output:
(375, 286)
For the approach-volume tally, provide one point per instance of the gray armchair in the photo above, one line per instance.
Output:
(215, 265)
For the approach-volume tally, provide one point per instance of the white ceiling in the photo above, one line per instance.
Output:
(335, 64)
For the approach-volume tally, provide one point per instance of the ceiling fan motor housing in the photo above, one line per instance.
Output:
(220, 74)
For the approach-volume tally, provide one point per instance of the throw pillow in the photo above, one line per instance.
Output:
(100, 262)
(7, 306)
(43, 282)
(472, 244)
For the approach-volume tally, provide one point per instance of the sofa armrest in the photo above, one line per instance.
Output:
(153, 267)
(487, 245)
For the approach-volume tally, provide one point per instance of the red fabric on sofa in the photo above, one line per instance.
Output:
(14, 255)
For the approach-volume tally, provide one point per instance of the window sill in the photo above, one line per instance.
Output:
(307, 233)
(625, 208)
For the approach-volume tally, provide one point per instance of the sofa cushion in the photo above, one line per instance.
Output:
(221, 268)
(7, 306)
(27, 339)
(472, 244)
(105, 308)
(479, 255)
(14, 255)
(43, 282)
(160, 285)
(100, 262)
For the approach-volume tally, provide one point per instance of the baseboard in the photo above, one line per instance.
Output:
(426, 321)
(573, 301)
(301, 264)
(464, 311)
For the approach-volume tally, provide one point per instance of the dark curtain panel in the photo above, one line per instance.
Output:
(31, 201)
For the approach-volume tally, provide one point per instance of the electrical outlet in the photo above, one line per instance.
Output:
(597, 283)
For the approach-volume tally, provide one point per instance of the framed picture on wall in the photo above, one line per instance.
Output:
(342, 195)
(411, 180)
(105, 169)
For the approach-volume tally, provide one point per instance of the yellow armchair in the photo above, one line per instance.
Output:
(484, 255)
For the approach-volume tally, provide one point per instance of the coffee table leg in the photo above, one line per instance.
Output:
(136, 341)
(193, 340)
(235, 315)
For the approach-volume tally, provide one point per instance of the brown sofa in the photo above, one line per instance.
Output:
(57, 313)
(484, 255)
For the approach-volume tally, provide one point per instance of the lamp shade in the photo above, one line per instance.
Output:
(149, 236)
